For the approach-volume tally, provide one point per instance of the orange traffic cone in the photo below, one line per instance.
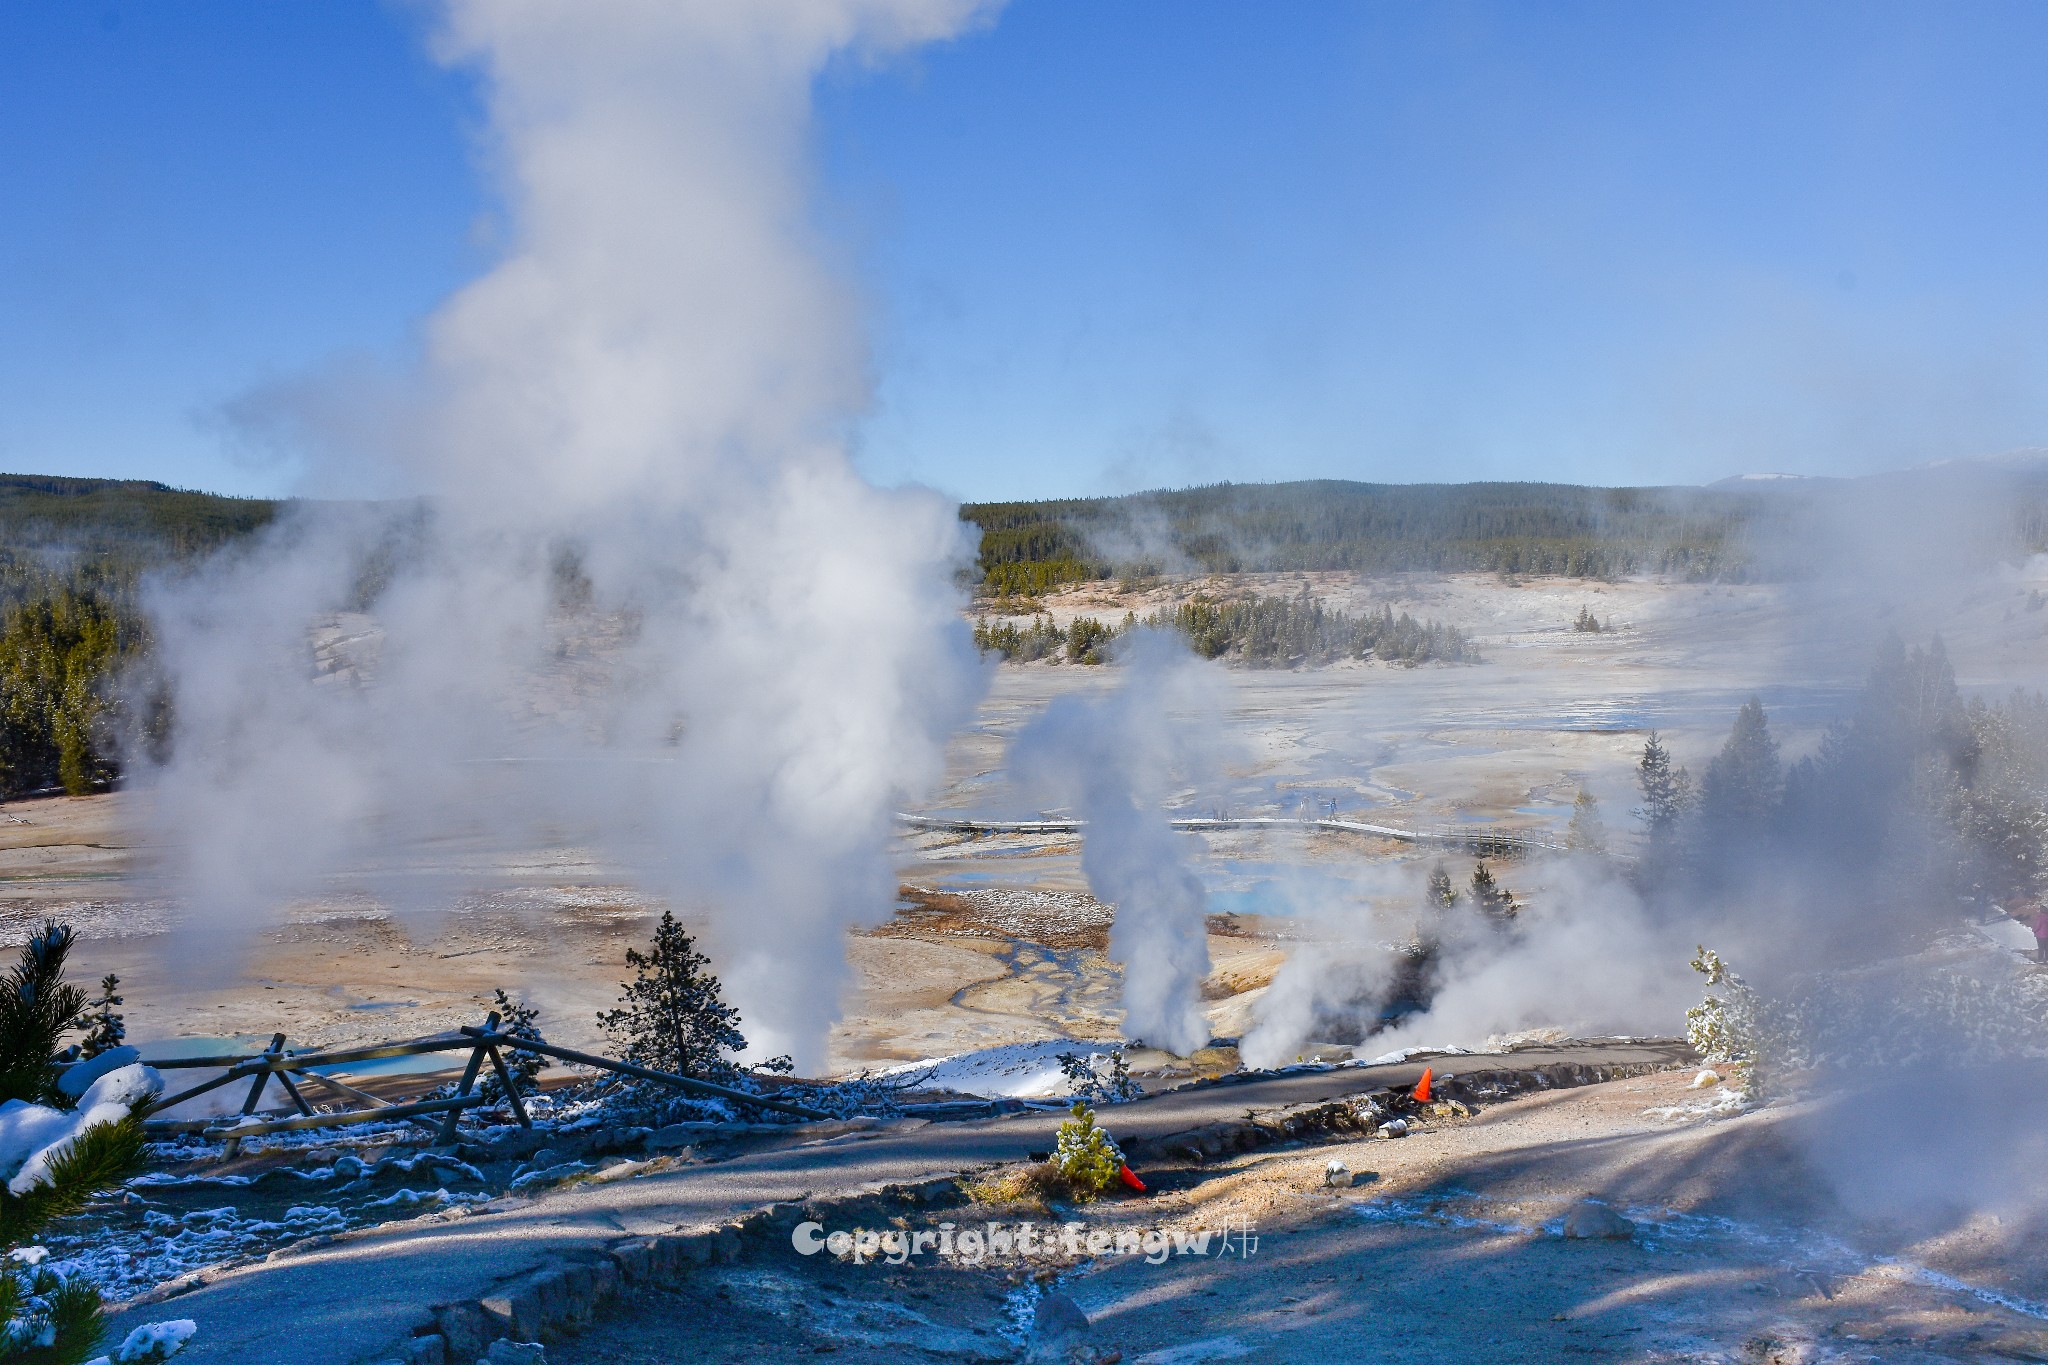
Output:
(1130, 1178)
(1422, 1087)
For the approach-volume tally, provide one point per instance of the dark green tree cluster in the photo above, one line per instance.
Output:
(1088, 640)
(58, 654)
(1587, 623)
(1281, 632)
(1033, 578)
(1667, 792)
(1506, 528)
(122, 525)
(1493, 901)
(72, 555)
(1085, 641)
(1509, 528)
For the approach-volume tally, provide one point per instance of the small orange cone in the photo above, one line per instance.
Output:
(1125, 1174)
(1422, 1087)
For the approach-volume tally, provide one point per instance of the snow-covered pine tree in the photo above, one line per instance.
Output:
(47, 1318)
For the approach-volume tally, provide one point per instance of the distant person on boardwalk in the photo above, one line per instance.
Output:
(2041, 934)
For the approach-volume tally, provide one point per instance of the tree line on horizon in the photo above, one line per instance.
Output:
(1028, 548)
(1728, 534)
(74, 552)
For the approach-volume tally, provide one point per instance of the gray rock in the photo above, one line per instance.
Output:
(465, 1329)
(505, 1351)
(1337, 1175)
(675, 1137)
(1590, 1219)
(1056, 1328)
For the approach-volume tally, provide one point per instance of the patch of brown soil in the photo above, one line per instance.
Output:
(1055, 919)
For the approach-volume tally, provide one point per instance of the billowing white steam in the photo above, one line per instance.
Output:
(649, 606)
(1116, 758)
(1584, 956)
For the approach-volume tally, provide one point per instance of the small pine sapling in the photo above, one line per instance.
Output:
(105, 1030)
(1085, 1156)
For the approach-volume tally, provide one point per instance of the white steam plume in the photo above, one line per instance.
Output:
(646, 571)
(1116, 759)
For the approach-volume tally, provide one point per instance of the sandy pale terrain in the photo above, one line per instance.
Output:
(1509, 741)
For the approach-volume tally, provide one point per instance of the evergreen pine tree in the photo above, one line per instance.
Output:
(45, 1318)
(1744, 782)
(1440, 894)
(105, 1030)
(1587, 832)
(1084, 1155)
(1667, 790)
(673, 1016)
(1492, 899)
(37, 1008)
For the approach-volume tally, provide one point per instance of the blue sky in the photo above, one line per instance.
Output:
(1112, 245)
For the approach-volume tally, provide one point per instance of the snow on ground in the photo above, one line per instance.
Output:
(2008, 933)
(1020, 1071)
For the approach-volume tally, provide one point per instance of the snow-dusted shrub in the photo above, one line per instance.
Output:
(1969, 1008)
(1084, 1156)
(1099, 1077)
(1738, 1026)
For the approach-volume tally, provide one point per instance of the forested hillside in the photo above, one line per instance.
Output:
(1535, 528)
(72, 552)
(1767, 529)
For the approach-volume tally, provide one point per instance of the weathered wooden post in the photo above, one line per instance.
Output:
(476, 1061)
(233, 1146)
(511, 1087)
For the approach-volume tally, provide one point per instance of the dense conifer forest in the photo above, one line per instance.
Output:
(72, 556)
(1731, 532)
(1532, 528)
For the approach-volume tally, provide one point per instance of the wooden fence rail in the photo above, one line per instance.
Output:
(484, 1044)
